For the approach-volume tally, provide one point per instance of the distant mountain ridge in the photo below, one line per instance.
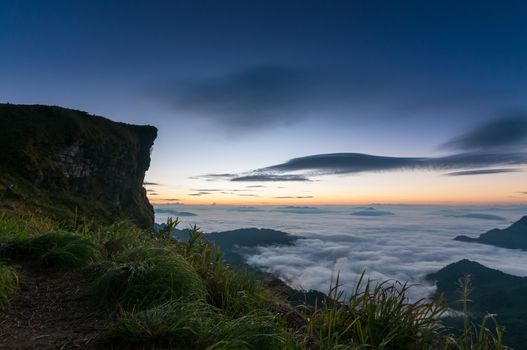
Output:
(513, 237)
(492, 291)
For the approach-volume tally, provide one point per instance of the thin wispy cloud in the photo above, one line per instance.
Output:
(352, 163)
(293, 197)
(507, 132)
(269, 177)
(356, 163)
(146, 183)
(481, 172)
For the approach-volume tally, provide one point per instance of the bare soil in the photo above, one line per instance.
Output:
(50, 311)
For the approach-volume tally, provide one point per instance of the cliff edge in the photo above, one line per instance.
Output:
(71, 165)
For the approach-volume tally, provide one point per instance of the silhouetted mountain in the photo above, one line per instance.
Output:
(492, 292)
(513, 237)
(173, 212)
(234, 244)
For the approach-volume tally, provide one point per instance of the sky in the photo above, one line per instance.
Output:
(292, 102)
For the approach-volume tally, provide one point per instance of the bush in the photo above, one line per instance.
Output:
(8, 285)
(148, 275)
(60, 249)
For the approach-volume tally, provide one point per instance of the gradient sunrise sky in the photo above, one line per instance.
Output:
(292, 102)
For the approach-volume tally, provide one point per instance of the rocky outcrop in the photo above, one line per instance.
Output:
(69, 164)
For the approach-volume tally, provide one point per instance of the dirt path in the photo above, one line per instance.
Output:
(49, 312)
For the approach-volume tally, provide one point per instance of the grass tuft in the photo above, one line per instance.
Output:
(147, 275)
(8, 285)
(196, 325)
(57, 249)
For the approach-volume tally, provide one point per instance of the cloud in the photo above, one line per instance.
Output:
(371, 212)
(146, 183)
(255, 186)
(201, 193)
(483, 149)
(481, 172)
(291, 209)
(246, 209)
(504, 133)
(254, 97)
(350, 163)
(291, 197)
(265, 96)
(382, 251)
(213, 177)
(355, 163)
(477, 216)
(269, 177)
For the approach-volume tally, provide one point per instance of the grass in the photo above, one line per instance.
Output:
(57, 249)
(182, 295)
(482, 337)
(197, 325)
(8, 285)
(377, 316)
(145, 276)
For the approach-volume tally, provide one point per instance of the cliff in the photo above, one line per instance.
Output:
(68, 164)
(513, 237)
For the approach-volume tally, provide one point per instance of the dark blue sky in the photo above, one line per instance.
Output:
(261, 82)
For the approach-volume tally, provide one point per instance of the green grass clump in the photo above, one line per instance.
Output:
(8, 285)
(375, 316)
(196, 325)
(116, 238)
(235, 292)
(16, 227)
(148, 275)
(57, 249)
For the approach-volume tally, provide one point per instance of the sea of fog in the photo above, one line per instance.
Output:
(400, 242)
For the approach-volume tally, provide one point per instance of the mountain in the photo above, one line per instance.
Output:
(236, 243)
(66, 164)
(492, 291)
(513, 237)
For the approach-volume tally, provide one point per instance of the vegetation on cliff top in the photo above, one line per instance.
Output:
(164, 292)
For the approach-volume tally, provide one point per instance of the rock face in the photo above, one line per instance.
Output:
(69, 164)
(513, 237)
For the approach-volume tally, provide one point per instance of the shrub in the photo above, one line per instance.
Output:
(8, 285)
(147, 275)
(60, 249)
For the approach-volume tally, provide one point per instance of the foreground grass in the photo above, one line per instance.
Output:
(8, 285)
(197, 325)
(182, 295)
(148, 275)
(59, 249)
